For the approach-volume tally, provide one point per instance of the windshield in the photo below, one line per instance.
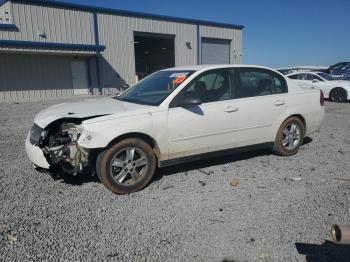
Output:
(325, 76)
(153, 89)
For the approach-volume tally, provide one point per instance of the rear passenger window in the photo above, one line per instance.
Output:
(259, 82)
(279, 85)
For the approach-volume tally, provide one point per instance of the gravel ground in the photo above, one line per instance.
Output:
(188, 213)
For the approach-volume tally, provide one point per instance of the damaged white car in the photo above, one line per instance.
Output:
(172, 116)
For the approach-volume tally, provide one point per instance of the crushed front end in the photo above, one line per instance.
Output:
(56, 146)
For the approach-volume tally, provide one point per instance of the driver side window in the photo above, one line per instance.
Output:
(212, 86)
(309, 77)
(318, 78)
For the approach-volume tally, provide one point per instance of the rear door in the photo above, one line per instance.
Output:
(262, 96)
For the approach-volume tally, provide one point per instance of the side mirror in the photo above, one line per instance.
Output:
(189, 101)
(315, 80)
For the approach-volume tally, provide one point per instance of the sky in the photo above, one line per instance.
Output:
(277, 33)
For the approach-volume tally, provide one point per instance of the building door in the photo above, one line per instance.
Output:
(153, 52)
(215, 51)
(79, 77)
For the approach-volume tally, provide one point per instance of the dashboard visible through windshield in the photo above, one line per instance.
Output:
(153, 89)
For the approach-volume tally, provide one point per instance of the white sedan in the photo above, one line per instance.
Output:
(173, 116)
(335, 90)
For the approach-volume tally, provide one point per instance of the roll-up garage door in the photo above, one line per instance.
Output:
(215, 51)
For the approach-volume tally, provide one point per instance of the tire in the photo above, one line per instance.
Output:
(338, 94)
(98, 164)
(285, 144)
(126, 167)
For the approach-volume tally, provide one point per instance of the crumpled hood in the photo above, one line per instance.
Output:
(83, 109)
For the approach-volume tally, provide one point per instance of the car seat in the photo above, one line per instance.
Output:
(200, 90)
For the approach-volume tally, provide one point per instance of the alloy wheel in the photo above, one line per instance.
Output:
(128, 166)
(291, 136)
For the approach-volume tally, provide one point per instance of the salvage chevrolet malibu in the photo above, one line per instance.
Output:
(172, 116)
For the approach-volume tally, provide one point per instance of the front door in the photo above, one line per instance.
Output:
(210, 126)
(79, 77)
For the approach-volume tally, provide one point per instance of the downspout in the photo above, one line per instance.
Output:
(198, 45)
(98, 52)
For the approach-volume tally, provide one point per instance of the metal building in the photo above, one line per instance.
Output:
(50, 49)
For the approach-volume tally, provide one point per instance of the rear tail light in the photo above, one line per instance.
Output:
(321, 98)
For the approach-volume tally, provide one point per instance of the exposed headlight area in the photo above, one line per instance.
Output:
(59, 144)
(63, 134)
(36, 134)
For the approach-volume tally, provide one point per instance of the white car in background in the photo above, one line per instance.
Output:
(173, 116)
(335, 90)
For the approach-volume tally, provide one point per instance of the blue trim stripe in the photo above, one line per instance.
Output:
(8, 26)
(198, 46)
(16, 43)
(129, 13)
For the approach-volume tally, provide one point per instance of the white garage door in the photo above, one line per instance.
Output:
(215, 51)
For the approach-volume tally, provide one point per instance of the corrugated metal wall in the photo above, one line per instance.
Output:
(27, 77)
(29, 74)
(5, 13)
(60, 25)
(117, 34)
(224, 33)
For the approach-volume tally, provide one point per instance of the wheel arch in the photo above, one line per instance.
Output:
(302, 119)
(283, 118)
(145, 137)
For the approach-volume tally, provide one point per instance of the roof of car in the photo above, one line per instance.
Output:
(306, 72)
(216, 66)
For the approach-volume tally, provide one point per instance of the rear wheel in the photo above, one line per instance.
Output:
(126, 167)
(338, 94)
(289, 137)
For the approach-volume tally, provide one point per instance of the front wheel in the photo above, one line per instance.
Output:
(126, 167)
(289, 137)
(338, 94)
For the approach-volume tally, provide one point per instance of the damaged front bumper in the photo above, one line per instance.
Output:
(57, 147)
(35, 154)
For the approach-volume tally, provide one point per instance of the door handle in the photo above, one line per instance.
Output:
(279, 103)
(231, 109)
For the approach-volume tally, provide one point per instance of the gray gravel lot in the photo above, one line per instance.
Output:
(185, 214)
